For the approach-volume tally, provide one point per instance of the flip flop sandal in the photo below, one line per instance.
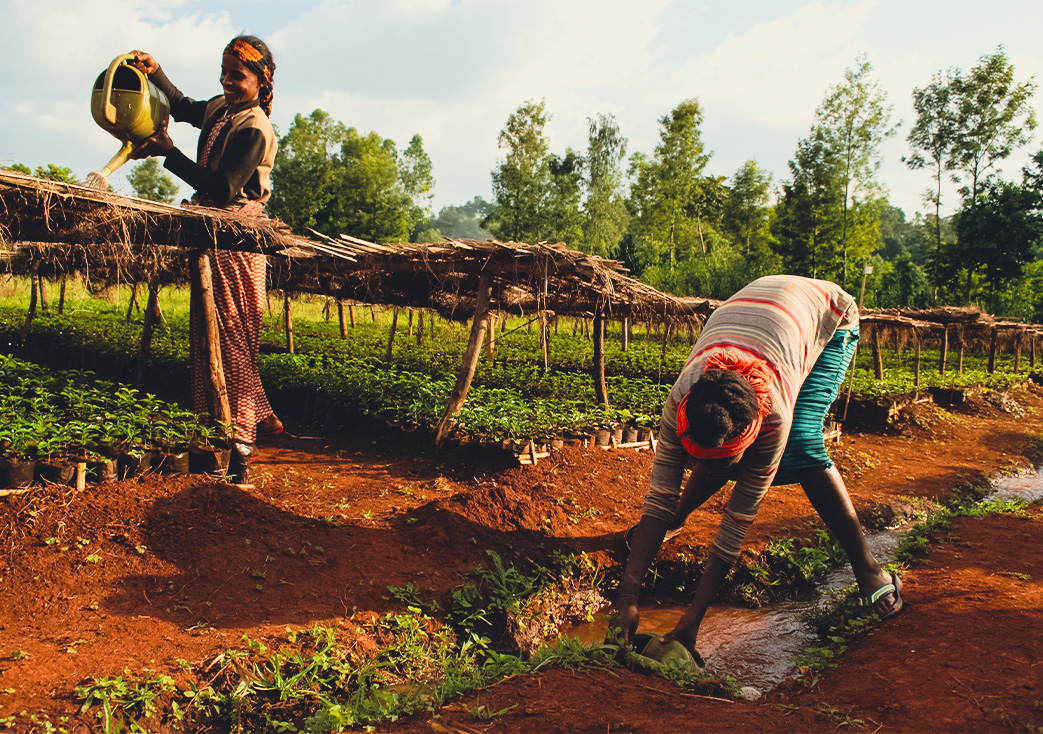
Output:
(879, 597)
(629, 535)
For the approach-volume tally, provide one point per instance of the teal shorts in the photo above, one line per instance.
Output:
(806, 447)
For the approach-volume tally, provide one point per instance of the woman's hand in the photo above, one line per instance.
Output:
(628, 616)
(252, 209)
(687, 638)
(159, 145)
(144, 62)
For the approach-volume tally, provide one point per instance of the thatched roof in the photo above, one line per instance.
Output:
(53, 229)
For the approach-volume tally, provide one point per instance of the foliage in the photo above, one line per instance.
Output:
(747, 214)
(522, 180)
(150, 182)
(463, 222)
(605, 213)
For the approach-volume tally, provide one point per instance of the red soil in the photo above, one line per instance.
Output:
(119, 576)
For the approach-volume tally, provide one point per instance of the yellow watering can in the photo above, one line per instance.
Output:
(129, 107)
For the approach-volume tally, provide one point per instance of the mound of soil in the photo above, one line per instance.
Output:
(144, 573)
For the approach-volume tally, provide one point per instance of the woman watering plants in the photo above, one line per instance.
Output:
(232, 171)
(750, 405)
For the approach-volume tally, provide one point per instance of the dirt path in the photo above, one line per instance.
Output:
(147, 573)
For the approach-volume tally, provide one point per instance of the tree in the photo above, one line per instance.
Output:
(853, 122)
(305, 169)
(521, 181)
(150, 182)
(747, 210)
(415, 172)
(605, 212)
(563, 219)
(369, 200)
(463, 222)
(808, 218)
(993, 117)
(663, 189)
(50, 172)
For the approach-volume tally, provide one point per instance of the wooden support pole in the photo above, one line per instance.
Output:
(878, 359)
(420, 330)
(327, 312)
(992, 350)
(625, 336)
(544, 343)
(1017, 357)
(61, 296)
(209, 339)
(944, 351)
(351, 314)
(409, 331)
(44, 305)
(391, 334)
(916, 370)
(959, 358)
(340, 319)
(31, 313)
(470, 360)
(1032, 354)
(133, 301)
(490, 340)
(147, 328)
(287, 311)
(600, 385)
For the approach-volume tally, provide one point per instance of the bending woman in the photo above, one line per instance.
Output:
(232, 171)
(749, 405)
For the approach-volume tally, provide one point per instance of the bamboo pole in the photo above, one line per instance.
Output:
(209, 339)
(600, 384)
(470, 360)
(287, 310)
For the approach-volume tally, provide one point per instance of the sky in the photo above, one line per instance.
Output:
(454, 70)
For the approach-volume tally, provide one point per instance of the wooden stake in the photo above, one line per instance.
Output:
(340, 319)
(878, 359)
(600, 385)
(61, 297)
(420, 330)
(470, 360)
(391, 334)
(490, 341)
(44, 306)
(147, 328)
(992, 350)
(916, 373)
(625, 336)
(944, 350)
(209, 339)
(31, 313)
(287, 311)
(351, 314)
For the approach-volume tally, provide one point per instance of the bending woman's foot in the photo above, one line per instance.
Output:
(269, 426)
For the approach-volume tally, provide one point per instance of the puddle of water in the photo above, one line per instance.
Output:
(754, 645)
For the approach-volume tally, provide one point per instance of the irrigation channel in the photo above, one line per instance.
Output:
(755, 646)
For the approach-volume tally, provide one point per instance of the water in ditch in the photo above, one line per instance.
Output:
(755, 645)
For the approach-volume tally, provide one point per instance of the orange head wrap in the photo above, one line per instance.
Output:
(255, 60)
(755, 372)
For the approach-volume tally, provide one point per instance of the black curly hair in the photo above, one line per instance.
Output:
(720, 406)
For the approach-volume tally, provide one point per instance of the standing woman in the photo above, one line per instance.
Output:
(232, 171)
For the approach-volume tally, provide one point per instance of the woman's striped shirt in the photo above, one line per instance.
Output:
(786, 321)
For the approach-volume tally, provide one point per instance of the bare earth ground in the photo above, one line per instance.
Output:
(144, 573)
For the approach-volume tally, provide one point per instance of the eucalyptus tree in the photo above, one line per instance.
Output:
(521, 182)
(563, 218)
(853, 121)
(664, 188)
(305, 169)
(747, 210)
(415, 172)
(605, 212)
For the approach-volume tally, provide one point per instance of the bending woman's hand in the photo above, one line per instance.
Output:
(628, 616)
(144, 62)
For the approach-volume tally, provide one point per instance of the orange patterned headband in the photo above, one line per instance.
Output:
(755, 372)
(249, 54)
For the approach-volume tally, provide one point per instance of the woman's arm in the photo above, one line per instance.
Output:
(242, 154)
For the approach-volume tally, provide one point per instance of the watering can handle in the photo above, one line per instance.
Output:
(110, 109)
